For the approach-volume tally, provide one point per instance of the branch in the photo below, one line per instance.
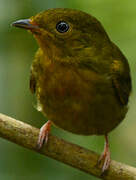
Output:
(68, 153)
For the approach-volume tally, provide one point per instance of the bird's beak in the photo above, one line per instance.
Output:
(26, 24)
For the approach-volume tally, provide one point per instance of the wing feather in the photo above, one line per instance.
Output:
(121, 81)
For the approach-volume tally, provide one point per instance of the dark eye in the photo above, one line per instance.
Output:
(62, 27)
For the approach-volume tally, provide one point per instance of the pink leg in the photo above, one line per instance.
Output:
(105, 156)
(43, 135)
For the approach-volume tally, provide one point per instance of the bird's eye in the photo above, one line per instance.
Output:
(62, 27)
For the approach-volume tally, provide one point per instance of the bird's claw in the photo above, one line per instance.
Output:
(105, 157)
(43, 135)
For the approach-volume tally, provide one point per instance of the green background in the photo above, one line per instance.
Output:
(17, 48)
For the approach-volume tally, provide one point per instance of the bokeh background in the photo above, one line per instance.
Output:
(17, 48)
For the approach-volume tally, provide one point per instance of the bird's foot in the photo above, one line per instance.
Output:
(105, 156)
(44, 134)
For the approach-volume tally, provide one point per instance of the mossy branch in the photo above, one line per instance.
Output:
(68, 153)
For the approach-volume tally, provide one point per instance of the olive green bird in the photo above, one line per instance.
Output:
(80, 77)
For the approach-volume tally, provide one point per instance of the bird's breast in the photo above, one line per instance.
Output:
(78, 100)
(60, 85)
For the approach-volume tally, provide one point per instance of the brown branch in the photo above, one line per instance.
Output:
(68, 153)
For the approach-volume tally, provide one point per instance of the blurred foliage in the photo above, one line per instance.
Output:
(17, 49)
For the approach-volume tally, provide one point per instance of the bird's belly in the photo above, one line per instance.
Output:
(80, 106)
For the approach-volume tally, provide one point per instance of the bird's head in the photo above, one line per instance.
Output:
(65, 33)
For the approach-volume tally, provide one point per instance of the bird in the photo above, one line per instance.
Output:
(81, 79)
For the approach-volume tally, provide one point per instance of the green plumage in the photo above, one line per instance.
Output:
(81, 79)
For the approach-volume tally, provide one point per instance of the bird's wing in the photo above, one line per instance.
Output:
(32, 83)
(34, 70)
(121, 81)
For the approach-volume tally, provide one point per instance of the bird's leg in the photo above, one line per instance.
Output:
(44, 133)
(105, 155)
